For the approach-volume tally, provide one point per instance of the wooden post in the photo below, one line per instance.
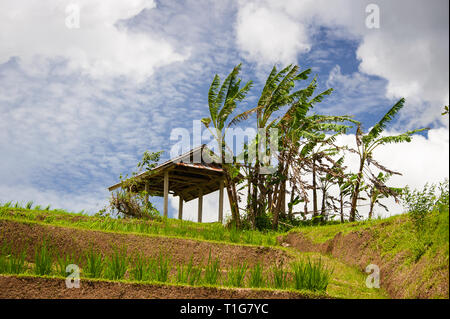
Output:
(221, 201)
(166, 193)
(200, 205)
(180, 208)
(147, 191)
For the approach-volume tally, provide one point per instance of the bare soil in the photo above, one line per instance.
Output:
(53, 288)
(399, 280)
(68, 241)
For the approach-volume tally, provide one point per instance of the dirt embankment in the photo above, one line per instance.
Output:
(46, 288)
(68, 241)
(399, 280)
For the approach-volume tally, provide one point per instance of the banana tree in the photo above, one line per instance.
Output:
(367, 143)
(222, 102)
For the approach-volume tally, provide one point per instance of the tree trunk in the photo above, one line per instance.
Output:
(341, 200)
(356, 191)
(315, 211)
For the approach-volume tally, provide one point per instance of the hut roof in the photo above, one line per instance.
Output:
(198, 170)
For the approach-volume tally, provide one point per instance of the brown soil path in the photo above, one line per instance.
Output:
(413, 281)
(12, 287)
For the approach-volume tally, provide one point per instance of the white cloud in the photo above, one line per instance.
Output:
(410, 49)
(270, 36)
(36, 33)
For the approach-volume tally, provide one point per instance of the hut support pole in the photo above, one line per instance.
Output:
(166, 194)
(221, 201)
(200, 205)
(180, 208)
(147, 191)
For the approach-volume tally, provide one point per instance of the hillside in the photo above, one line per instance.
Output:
(222, 263)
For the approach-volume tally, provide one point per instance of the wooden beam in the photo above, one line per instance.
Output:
(180, 208)
(221, 201)
(166, 193)
(200, 205)
(147, 190)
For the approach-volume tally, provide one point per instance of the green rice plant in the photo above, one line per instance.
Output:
(195, 276)
(47, 208)
(236, 275)
(7, 204)
(184, 272)
(94, 264)
(279, 276)
(29, 204)
(212, 270)
(163, 268)
(62, 262)
(37, 207)
(17, 263)
(256, 278)
(140, 269)
(311, 275)
(117, 264)
(42, 260)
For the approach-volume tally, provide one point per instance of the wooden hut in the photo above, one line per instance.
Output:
(188, 176)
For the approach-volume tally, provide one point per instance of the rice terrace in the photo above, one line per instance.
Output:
(201, 177)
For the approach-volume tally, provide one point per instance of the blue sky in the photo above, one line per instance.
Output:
(79, 106)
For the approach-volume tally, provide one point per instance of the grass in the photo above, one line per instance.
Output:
(163, 226)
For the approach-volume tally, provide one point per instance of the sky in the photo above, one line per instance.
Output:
(87, 86)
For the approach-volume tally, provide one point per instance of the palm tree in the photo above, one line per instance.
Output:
(367, 143)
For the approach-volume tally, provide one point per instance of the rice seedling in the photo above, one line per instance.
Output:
(142, 268)
(162, 268)
(17, 263)
(184, 272)
(117, 264)
(47, 208)
(310, 275)
(94, 264)
(195, 276)
(62, 262)
(256, 278)
(279, 276)
(42, 260)
(29, 204)
(236, 275)
(212, 270)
